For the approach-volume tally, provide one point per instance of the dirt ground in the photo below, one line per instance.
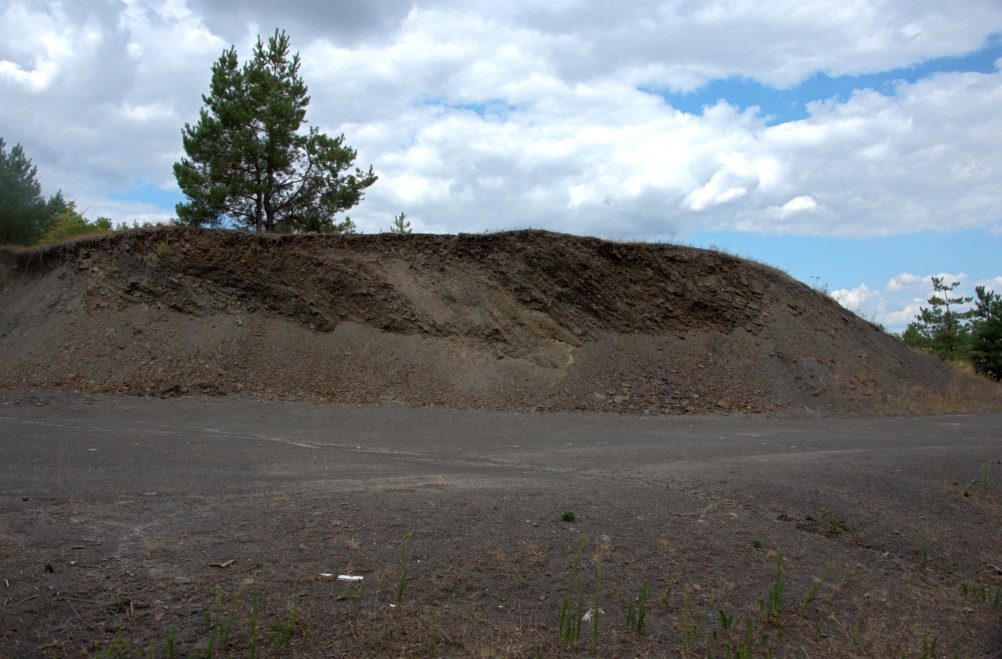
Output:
(212, 525)
(525, 320)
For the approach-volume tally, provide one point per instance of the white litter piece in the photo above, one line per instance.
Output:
(589, 613)
(326, 575)
(349, 577)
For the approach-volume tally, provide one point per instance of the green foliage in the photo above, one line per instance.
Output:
(941, 329)
(771, 605)
(70, 224)
(636, 609)
(816, 588)
(24, 215)
(248, 159)
(285, 628)
(986, 333)
(405, 568)
(569, 627)
(974, 334)
(985, 593)
(400, 224)
(568, 516)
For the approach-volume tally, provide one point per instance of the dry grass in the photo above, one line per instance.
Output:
(157, 544)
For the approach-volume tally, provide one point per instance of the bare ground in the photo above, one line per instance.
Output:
(124, 519)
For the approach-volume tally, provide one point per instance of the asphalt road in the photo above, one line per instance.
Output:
(83, 448)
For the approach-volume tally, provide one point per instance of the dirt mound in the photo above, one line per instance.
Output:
(519, 320)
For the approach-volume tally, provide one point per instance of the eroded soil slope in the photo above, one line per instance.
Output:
(519, 320)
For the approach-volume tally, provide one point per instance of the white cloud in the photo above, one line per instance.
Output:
(480, 115)
(903, 295)
(857, 298)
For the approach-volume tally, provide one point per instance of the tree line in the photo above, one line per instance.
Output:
(951, 330)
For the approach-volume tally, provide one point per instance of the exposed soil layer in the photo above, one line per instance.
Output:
(519, 320)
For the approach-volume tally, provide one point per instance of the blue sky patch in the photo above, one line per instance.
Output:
(149, 194)
(783, 105)
(848, 262)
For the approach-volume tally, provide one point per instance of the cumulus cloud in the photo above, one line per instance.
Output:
(899, 301)
(856, 298)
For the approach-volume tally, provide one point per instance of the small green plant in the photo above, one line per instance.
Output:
(248, 252)
(636, 609)
(666, 598)
(436, 618)
(832, 523)
(405, 568)
(219, 624)
(818, 583)
(929, 645)
(690, 627)
(254, 625)
(352, 594)
(984, 592)
(220, 633)
(756, 543)
(988, 484)
(568, 516)
(771, 604)
(400, 225)
(596, 611)
(163, 250)
(744, 649)
(569, 628)
(835, 525)
(119, 648)
(923, 553)
(285, 628)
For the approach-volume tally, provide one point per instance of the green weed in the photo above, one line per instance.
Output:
(219, 625)
(284, 629)
(436, 618)
(771, 605)
(929, 645)
(636, 609)
(405, 568)
(816, 588)
(691, 628)
(832, 524)
(988, 484)
(352, 594)
(597, 612)
(985, 593)
(568, 516)
(666, 598)
(569, 629)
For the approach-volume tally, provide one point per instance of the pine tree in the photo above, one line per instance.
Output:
(986, 333)
(941, 329)
(249, 160)
(400, 224)
(24, 215)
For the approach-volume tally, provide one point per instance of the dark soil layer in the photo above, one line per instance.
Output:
(520, 320)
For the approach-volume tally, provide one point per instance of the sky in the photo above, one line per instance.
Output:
(854, 145)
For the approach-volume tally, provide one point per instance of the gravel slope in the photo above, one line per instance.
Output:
(519, 320)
